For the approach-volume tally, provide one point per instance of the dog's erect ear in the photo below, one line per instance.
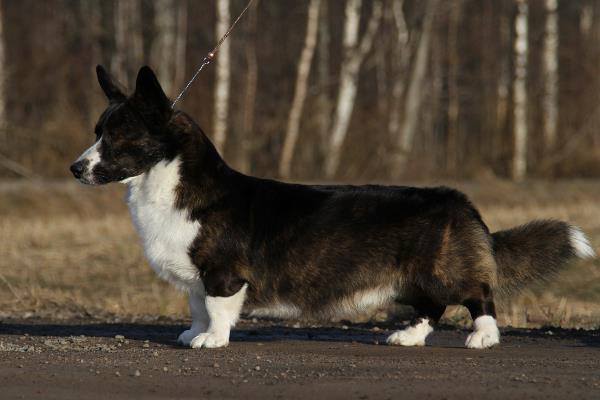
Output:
(149, 91)
(111, 88)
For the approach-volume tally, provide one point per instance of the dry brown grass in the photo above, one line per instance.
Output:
(71, 250)
(67, 249)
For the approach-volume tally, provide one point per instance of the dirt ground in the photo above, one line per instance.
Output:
(122, 360)
(74, 281)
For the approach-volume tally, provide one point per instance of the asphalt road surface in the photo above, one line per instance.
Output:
(93, 359)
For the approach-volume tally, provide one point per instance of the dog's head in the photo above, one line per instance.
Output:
(131, 134)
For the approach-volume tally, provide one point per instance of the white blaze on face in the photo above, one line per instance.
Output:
(92, 156)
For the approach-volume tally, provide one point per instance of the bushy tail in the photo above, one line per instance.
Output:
(536, 251)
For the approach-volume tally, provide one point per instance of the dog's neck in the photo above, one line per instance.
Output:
(192, 168)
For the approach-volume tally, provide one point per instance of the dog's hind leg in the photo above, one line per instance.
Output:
(485, 330)
(427, 314)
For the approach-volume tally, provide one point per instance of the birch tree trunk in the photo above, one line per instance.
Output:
(503, 84)
(92, 14)
(551, 74)
(168, 49)
(304, 65)
(223, 71)
(519, 167)
(323, 77)
(250, 95)
(181, 45)
(163, 46)
(414, 96)
(452, 143)
(402, 51)
(129, 49)
(381, 78)
(353, 58)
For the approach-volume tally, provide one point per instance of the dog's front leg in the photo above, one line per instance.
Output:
(223, 313)
(200, 319)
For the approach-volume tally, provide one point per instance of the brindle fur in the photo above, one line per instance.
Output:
(315, 247)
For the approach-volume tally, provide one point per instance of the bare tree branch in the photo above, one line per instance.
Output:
(520, 91)
(551, 74)
(310, 42)
(251, 86)
(355, 54)
(128, 39)
(16, 167)
(414, 96)
(223, 71)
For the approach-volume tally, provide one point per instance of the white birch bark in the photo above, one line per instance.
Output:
(304, 66)
(551, 74)
(519, 167)
(354, 56)
(223, 72)
(414, 96)
(128, 39)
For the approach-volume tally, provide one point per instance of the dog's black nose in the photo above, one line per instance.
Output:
(77, 169)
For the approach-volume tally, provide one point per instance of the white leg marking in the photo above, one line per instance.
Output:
(485, 333)
(411, 336)
(223, 313)
(200, 319)
(580, 243)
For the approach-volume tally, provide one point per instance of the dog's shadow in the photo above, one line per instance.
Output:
(160, 333)
(356, 333)
(166, 333)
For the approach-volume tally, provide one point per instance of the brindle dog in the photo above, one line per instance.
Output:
(288, 250)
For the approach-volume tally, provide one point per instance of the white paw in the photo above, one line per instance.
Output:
(485, 335)
(210, 340)
(482, 340)
(186, 336)
(403, 338)
(411, 336)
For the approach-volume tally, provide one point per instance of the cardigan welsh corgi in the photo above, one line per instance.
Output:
(287, 250)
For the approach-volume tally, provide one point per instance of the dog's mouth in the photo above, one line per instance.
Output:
(86, 181)
(98, 178)
(94, 178)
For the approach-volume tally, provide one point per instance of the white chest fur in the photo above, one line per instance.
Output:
(166, 231)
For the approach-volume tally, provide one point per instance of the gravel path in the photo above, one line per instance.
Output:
(92, 359)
